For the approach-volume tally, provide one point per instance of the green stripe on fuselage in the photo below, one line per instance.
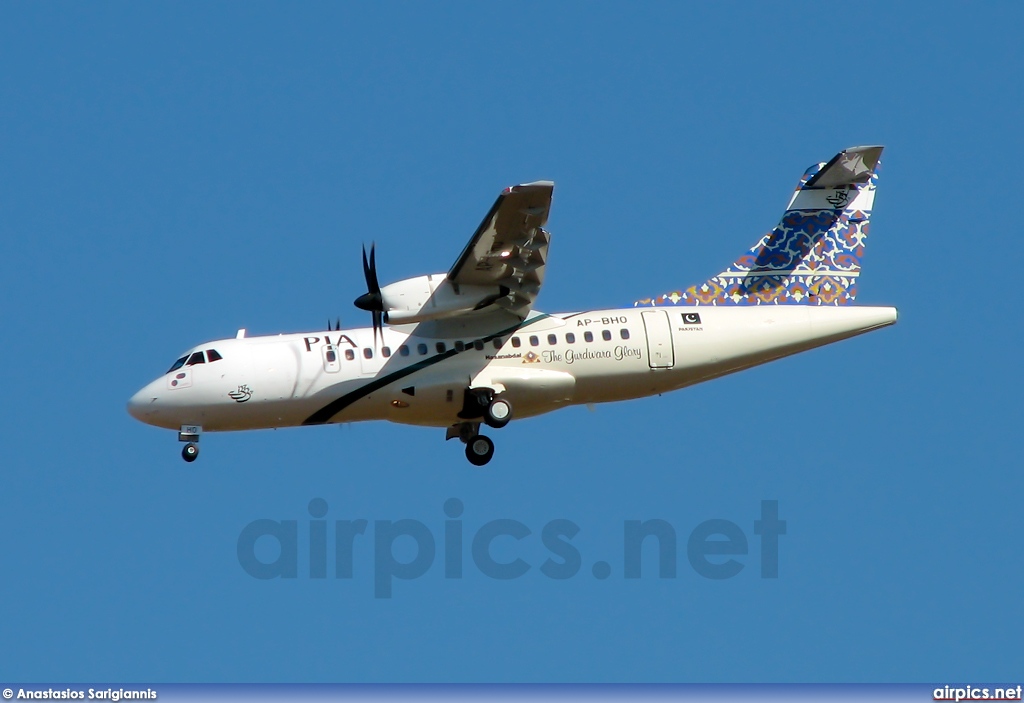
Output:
(324, 414)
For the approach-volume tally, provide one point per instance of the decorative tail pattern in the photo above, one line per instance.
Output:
(813, 256)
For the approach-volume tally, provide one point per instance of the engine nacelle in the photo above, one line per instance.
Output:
(433, 297)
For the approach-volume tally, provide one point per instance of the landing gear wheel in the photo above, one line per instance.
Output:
(190, 452)
(498, 413)
(479, 450)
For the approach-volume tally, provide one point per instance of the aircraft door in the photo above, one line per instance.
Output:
(332, 364)
(660, 352)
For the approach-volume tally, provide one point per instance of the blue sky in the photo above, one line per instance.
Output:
(170, 173)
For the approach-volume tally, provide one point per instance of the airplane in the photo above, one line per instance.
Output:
(465, 348)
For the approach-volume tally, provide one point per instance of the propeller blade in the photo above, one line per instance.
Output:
(370, 271)
(372, 301)
(366, 270)
(377, 326)
(375, 286)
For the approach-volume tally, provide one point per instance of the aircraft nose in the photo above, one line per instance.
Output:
(142, 404)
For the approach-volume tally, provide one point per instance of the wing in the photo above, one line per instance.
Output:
(510, 247)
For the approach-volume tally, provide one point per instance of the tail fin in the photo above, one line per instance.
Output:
(812, 257)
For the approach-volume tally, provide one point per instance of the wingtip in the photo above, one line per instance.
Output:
(531, 184)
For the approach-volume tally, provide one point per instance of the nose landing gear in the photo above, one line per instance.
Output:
(190, 434)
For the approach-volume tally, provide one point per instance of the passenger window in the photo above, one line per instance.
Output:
(385, 352)
(624, 333)
(478, 345)
(196, 358)
(552, 340)
(350, 355)
(367, 353)
(516, 343)
(606, 335)
(212, 355)
(440, 347)
(331, 355)
(534, 341)
(403, 350)
(422, 349)
(570, 338)
(588, 336)
(496, 343)
(460, 346)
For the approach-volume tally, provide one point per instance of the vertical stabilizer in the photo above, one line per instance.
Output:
(813, 256)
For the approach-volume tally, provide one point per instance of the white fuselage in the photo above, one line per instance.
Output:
(547, 362)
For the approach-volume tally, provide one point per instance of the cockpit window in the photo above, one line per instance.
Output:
(196, 358)
(212, 355)
(178, 364)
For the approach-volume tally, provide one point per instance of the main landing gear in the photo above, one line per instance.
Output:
(498, 413)
(479, 450)
(480, 404)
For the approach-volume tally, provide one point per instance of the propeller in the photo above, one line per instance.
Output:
(372, 301)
